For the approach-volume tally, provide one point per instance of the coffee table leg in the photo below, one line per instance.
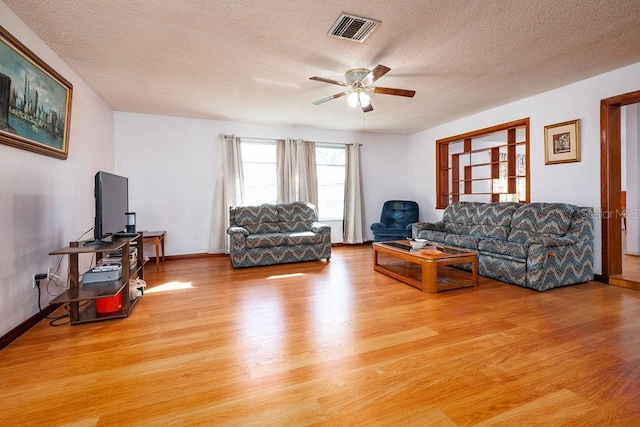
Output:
(474, 267)
(430, 277)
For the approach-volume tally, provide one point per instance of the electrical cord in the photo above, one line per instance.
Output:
(52, 320)
(51, 278)
(84, 234)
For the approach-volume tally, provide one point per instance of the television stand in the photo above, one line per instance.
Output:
(123, 234)
(79, 292)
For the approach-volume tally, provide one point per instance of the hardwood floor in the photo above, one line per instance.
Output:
(630, 277)
(332, 344)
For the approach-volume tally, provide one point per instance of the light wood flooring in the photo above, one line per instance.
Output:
(630, 276)
(330, 344)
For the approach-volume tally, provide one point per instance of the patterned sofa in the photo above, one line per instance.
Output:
(276, 234)
(536, 245)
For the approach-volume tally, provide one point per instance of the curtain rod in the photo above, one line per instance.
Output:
(317, 142)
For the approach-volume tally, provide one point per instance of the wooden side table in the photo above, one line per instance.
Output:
(158, 239)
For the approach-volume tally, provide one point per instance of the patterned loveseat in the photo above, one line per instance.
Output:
(276, 234)
(536, 245)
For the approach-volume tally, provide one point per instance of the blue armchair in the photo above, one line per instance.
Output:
(395, 221)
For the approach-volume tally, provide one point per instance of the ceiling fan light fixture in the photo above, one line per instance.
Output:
(365, 99)
(352, 99)
(359, 83)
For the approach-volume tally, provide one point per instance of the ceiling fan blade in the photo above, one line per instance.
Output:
(333, 82)
(392, 91)
(329, 98)
(376, 73)
(367, 108)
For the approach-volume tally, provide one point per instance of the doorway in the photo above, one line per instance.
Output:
(611, 187)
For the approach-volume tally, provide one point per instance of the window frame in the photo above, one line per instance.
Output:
(264, 142)
(343, 166)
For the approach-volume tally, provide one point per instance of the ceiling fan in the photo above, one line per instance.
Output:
(359, 81)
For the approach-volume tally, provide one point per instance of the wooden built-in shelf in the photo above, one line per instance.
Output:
(455, 164)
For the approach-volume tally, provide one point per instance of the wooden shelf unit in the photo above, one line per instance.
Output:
(461, 161)
(78, 292)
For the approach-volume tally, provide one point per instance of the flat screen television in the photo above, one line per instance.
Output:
(112, 203)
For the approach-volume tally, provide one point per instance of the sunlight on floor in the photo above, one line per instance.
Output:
(284, 276)
(169, 286)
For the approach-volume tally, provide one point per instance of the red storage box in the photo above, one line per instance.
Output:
(108, 305)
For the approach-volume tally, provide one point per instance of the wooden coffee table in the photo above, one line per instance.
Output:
(426, 269)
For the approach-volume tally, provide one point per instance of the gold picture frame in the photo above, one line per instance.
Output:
(35, 101)
(562, 142)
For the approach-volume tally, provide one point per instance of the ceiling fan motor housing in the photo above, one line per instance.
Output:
(356, 75)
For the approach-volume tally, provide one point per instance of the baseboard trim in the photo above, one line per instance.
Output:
(189, 256)
(600, 278)
(623, 283)
(222, 255)
(15, 333)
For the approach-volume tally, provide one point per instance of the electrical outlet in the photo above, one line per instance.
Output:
(38, 277)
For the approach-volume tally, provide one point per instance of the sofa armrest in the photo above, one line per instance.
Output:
(234, 229)
(433, 226)
(318, 227)
(409, 228)
(556, 241)
(377, 225)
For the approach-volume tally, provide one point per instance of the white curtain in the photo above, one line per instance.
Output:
(354, 222)
(229, 191)
(297, 171)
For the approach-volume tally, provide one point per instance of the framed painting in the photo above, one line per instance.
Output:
(562, 142)
(35, 101)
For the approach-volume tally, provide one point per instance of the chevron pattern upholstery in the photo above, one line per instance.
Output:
(537, 245)
(276, 234)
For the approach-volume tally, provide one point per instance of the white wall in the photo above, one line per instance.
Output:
(629, 137)
(576, 183)
(170, 163)
(44, 202)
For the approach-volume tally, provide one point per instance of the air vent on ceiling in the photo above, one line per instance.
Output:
(352, 27)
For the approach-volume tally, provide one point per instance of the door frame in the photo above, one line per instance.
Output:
(611, 181)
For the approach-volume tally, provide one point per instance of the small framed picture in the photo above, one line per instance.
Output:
(562, 142)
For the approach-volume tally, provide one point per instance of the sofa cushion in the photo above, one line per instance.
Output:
(462, 241)
(493, 220)
(461, 212)
(509, 249)
(495, 213)
(431, 235)
(490, 220)
(297, 212)
(540, 219)
(294, 226)
(302, 238)
(458, 228)
(265, 240)
(256, 219)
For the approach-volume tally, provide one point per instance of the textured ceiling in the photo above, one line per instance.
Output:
(250, 61)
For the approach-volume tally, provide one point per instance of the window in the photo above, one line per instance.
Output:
(260, 176)
(488, 165)
(330, 161)
(259, 169)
